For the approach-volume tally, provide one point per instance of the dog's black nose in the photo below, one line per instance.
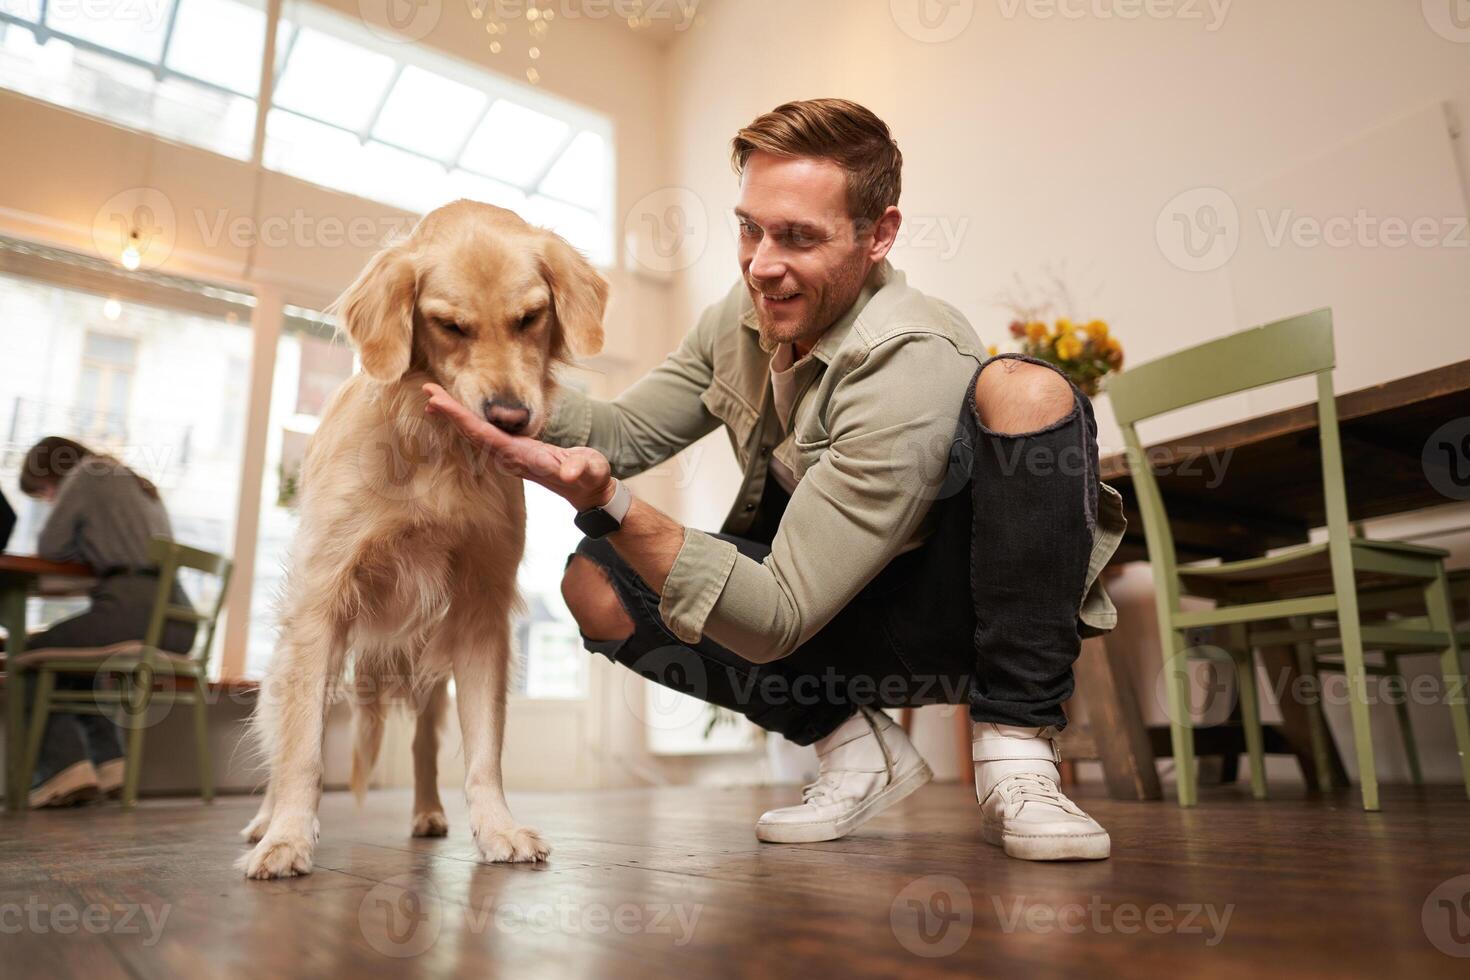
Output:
(513, 417)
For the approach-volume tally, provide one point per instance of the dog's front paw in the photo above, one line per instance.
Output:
(514, 846)
(430, 823)
(277, 857)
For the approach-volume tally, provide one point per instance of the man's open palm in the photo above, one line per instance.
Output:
(580, 475)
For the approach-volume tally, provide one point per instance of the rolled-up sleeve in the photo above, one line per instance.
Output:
(892, 419)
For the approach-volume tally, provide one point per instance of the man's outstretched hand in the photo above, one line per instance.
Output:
(580, 475)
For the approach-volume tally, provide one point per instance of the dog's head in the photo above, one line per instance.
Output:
(483, 303)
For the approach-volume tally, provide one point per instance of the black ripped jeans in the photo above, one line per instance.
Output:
(985, 612)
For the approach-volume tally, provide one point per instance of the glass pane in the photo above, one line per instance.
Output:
(219, 41)
(24, 9)
(308, 369)
(310, 150)
(428, 114)
(513, 143)
(163, 412)
(135, 29)
(585, 230)
(333, 80)
(402, 179)
(126, 94)
(464, 184)
(579, 176)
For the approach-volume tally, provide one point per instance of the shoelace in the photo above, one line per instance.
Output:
(819, 791)
(1025, 787)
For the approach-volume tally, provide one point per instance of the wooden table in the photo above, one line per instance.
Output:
(1238, 490)
(22, 576)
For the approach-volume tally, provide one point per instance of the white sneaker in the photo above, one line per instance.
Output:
(866, 765)
(1021, 808)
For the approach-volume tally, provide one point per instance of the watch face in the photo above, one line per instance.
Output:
(596, 523)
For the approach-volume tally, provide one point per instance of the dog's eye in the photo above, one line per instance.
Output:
(450, 326)
(528, 321)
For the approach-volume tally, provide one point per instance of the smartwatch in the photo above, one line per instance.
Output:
(599, 522)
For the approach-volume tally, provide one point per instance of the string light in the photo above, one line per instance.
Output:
(112, 309)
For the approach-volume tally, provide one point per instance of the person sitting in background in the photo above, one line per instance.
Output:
(104, 514)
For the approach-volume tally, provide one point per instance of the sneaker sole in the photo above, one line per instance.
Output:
(110, 778)
(75, 784)
(1049, 847)
(817, 831)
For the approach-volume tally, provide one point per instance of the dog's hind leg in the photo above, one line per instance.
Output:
(428, 811)
(480, 652)
(293, 707)
(368, 715)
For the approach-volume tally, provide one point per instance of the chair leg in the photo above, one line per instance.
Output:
(1321, 734)
(139, 694)
(201, 744)
(1406, 726)
(1357, 683)
(1250, 708)
(1181, 724)
(40, 713)
(1441, 617)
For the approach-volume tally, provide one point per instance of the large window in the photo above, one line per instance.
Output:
(399, 124)
(148, 384)
(188, 70)
(391, 122)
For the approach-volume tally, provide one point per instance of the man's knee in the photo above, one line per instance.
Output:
(593, 603)
(1014, 397)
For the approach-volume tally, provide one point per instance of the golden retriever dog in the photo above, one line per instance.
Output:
(403, 570)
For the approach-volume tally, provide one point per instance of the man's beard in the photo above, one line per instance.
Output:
(841, 292)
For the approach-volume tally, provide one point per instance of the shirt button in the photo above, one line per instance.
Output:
(749, 508)
(764, 452)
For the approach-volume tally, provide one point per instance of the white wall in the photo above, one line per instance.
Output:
(1036, 140)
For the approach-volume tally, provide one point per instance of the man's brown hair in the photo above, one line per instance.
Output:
(838, 130)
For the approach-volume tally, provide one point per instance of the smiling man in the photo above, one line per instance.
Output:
(915, 523)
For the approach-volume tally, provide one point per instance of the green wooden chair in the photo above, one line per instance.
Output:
(139, 667)
(1308, 582)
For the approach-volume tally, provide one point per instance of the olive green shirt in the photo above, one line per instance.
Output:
(868, 441)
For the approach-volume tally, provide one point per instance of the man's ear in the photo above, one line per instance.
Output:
(885, 233)
(377, 314)
(578, 295)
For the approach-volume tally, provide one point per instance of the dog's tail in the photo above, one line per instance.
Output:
(367, 739)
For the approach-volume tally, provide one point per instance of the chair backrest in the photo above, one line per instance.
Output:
(171, 556)
(1279, 351)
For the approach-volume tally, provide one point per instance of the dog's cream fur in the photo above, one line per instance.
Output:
(405, 562)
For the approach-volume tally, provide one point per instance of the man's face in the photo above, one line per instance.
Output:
(799, 256)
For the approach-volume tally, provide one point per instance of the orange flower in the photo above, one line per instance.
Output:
(1035, 330)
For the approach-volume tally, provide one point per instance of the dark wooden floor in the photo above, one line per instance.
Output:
(672, 882)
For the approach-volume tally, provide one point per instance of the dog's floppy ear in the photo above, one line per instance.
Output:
(377, 314)
(578, 294)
